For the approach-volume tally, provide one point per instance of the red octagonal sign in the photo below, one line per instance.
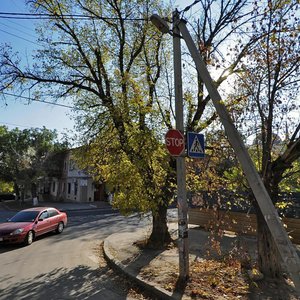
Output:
(175, 142)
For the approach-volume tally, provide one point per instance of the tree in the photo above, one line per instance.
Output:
(23, 154)
(271, 81)
(220, 32)
(108, 60)
(267, 58)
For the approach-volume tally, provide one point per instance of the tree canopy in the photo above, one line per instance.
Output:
(108, 58)
(24, 154)
(109, 63)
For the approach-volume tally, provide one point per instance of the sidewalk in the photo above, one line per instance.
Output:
(14, 205)
(153, 270)
(156, 272)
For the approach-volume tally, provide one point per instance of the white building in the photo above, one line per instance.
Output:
(73, 185)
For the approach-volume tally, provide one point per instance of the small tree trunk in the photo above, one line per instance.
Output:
(17, 191)
(33, 190)
(160, 236)
(269, 260)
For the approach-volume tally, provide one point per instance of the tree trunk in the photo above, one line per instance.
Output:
(17, 191)
(269, 260)
(33, 190)
(160, 236)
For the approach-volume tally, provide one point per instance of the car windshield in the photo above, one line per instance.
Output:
(24, 216)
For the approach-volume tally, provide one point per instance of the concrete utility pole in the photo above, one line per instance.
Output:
(180, 161)
(286, 249)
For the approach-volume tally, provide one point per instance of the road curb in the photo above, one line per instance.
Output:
(7, 208)
(146, 286)
(88, 209)
(4, 206)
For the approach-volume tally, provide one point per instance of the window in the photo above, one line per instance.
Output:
(69, 188)
(75, 187)
(52, 212)
(24, 216)
(44, 215)
(71, 165)
(53, 186)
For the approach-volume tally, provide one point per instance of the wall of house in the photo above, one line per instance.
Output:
(79, 189)
(54, 187)
(75, 185)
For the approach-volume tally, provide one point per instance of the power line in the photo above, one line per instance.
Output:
(30, 16)
(14, 28)
(189, 6)
(59, 131)
(46, 102)
(18, 125)
(19, 37)
(46, 15)
(21, 25)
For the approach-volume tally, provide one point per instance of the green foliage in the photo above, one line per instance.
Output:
(269, 83)
(23, 154)
(6, 187)
(139, 182)
(111, 65)
(291, 179)
(218, 170)
(115, 66)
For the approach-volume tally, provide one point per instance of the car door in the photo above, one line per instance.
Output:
(43, 223)
(54, 218)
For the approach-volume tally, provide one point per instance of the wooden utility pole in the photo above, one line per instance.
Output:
(286, 249)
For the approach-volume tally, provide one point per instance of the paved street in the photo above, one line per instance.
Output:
(66, 266)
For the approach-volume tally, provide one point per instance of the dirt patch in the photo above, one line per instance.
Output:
(212, 279)
(220, 268)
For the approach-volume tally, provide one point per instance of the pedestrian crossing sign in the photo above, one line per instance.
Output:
(195, 145)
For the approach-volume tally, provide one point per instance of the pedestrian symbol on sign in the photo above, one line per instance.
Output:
(195, 145)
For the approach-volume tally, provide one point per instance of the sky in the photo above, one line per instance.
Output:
(15, 111)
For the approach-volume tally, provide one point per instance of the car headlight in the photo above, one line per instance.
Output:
(17, 231)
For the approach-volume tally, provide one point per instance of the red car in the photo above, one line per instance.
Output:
(29, 223)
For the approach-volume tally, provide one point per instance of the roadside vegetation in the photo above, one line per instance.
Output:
(109, 59)
(25, 156)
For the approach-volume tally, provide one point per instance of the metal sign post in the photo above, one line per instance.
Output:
(286, 249)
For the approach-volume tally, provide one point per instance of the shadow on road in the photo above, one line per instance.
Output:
(7, 248)
(81, 282)
(85, 229)
(11, 247)
(82, 229)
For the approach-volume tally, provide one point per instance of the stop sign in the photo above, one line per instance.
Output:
(175, 142)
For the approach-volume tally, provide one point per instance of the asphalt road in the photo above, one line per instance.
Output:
(69, 265)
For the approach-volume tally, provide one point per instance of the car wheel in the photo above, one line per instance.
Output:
(60, 227)
(29, 238)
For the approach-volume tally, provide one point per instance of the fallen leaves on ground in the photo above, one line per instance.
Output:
(211, 278)
(208, 280)
(217, 279)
